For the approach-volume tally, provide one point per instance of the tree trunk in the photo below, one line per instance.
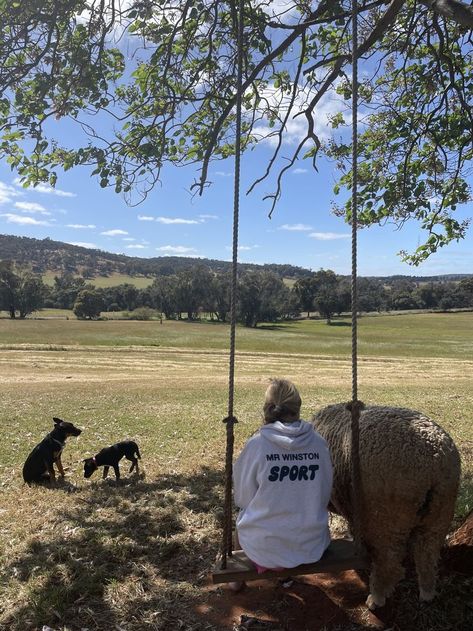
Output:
(458, 553)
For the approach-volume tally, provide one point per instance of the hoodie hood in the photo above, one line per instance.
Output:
(289, 436)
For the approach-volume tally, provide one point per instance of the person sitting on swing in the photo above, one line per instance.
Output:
(282, 486)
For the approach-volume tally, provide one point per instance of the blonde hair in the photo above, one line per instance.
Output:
(282, 401)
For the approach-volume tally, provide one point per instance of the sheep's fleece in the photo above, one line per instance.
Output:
(410, 471)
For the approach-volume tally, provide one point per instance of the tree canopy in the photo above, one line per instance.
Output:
(21, 291)
(164, 71)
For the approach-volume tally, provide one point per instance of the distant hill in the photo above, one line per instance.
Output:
(46, 255)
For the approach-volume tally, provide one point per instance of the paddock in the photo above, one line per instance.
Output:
(135, 556)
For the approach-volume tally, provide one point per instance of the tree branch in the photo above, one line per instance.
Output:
(453, 10)
(376, 34)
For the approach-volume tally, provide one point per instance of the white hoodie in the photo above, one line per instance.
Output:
(283, 481)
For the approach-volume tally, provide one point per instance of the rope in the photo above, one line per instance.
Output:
(355, 406)
(354, 203)
(230, 420)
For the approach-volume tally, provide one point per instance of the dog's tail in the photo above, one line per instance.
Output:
(137, 452)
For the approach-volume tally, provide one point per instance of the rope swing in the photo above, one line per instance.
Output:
(341, 554)
(230, 420)
(355, 406)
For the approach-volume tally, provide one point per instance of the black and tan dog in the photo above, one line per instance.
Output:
(39, 464)
(111, 456)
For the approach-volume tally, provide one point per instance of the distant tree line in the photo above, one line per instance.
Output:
(262, 295)
(43, 255)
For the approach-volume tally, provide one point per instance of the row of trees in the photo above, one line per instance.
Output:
(262, 296)
(46, 254)
(328, 294)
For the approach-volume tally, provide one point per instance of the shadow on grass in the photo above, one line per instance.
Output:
(272, 327)
(136, 555)
(119, 554)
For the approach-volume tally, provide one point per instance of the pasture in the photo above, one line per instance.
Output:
(96, 555)
(140, 282)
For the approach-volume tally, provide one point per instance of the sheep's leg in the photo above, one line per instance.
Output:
(429, 538)
(426, 549)
(426, 554)
(385, 575)
(387, 569)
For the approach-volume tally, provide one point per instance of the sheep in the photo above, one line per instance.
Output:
(410, 472)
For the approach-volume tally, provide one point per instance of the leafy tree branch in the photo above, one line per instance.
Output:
(164, 71)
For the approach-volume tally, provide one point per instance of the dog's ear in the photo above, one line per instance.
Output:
(57, 420)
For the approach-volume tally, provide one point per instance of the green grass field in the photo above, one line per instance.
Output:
(106, 281)
(446, 335)
(95, 555)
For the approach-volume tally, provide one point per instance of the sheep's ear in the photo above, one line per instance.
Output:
(57, 420)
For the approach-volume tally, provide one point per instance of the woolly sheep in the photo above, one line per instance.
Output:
(410, 471)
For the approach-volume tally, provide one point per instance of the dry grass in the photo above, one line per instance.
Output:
(100, 556)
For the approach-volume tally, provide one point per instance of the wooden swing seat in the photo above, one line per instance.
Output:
(341, 555)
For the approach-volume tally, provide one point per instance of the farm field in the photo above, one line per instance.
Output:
(106, 281)
(447, 335)
(96, 555)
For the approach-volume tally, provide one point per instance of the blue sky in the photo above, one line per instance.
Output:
(171, 221)
(303, 231)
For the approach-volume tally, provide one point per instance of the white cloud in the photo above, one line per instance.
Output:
(176, 220)
(24, 221)
(83, 244)
(114, 233)
(298, 171)
(328, 236)
(223, 173)
(295, 227)
(176, 249)
(129, 239)
(243, 248)
(45, 188)
(296, 127)
(31, 207)
(7, 193)
(136, 246)
(80, 226)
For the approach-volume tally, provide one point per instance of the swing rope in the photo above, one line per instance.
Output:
(230, 420)
(355, 406)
